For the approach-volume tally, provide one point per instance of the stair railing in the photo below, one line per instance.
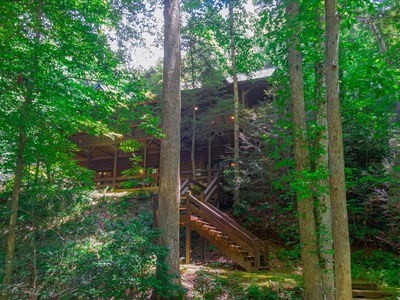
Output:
(241, 236)
(211, 190)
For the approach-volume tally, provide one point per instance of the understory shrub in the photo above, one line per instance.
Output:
(378, 266)
(71, 245)
(119, 262)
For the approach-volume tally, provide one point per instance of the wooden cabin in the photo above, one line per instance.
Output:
(103, 154)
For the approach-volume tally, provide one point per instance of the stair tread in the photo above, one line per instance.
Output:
(219, 236)
(374, 294)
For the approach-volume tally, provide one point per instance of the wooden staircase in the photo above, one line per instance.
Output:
(198, 214)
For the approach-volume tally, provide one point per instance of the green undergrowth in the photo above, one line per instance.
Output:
(210, 283)
(86, 247)
(284, 280)
(377, 266)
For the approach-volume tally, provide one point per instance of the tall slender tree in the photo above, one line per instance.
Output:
(340, 232)
(323, 205)
(52, 55)
(169, 194)
(236, 194)
(305, 206)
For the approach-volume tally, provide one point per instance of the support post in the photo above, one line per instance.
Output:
(202, 197)
(145, 154)
(88, 151)
(257, 254)
(116, 148)
(266, 253)
(209, 169)
(243, 97)
(188, 230)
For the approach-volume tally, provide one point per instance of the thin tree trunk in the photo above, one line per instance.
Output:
(236, 110)
(210, 167)
(376, 32)
(169, 197)
(193, 144)
(193, 148)
(14, 215)
(305, 206)
(34, 244)
(8, 271)
(340, 230)
(323, 209)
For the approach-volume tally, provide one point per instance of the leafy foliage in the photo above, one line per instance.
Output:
(378, 266)
(78, 246)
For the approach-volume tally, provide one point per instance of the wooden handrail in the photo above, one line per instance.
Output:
(230, 234)
(198, 206)
(216, 215)
(235, 232)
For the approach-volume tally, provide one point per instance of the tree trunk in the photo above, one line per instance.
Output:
(305, 206)
(340, 230)
(8, 271)
(169, 197)
(193, 148)
(323, 209)
(236, 110)
(13, 218)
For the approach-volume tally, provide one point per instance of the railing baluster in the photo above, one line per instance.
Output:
(257, 254)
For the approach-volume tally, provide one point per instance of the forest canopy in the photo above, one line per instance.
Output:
(323, 142)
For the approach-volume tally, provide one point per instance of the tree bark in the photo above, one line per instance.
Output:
(305, 206)
(340, 230)
(8, 271)
(169, 195)
(236, 110)
(193, 148)
(323, 208)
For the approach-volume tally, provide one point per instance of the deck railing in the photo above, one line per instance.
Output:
(151, 180)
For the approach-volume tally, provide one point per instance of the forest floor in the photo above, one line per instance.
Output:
(216, 276)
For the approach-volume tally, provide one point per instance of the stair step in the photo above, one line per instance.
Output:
(208, 227)
(234, 247)
(218, 237)
(364, 286)
(249, 258)
(215, 232)
(373, 294)
(243, 252)
(201, 222)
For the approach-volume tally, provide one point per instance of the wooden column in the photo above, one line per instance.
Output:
(88, 151)
(188, 231)
(116, 148)
(257, 254)
(145, 154)
(243, 97)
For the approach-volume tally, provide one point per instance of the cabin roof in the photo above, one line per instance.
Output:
(260, 74)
